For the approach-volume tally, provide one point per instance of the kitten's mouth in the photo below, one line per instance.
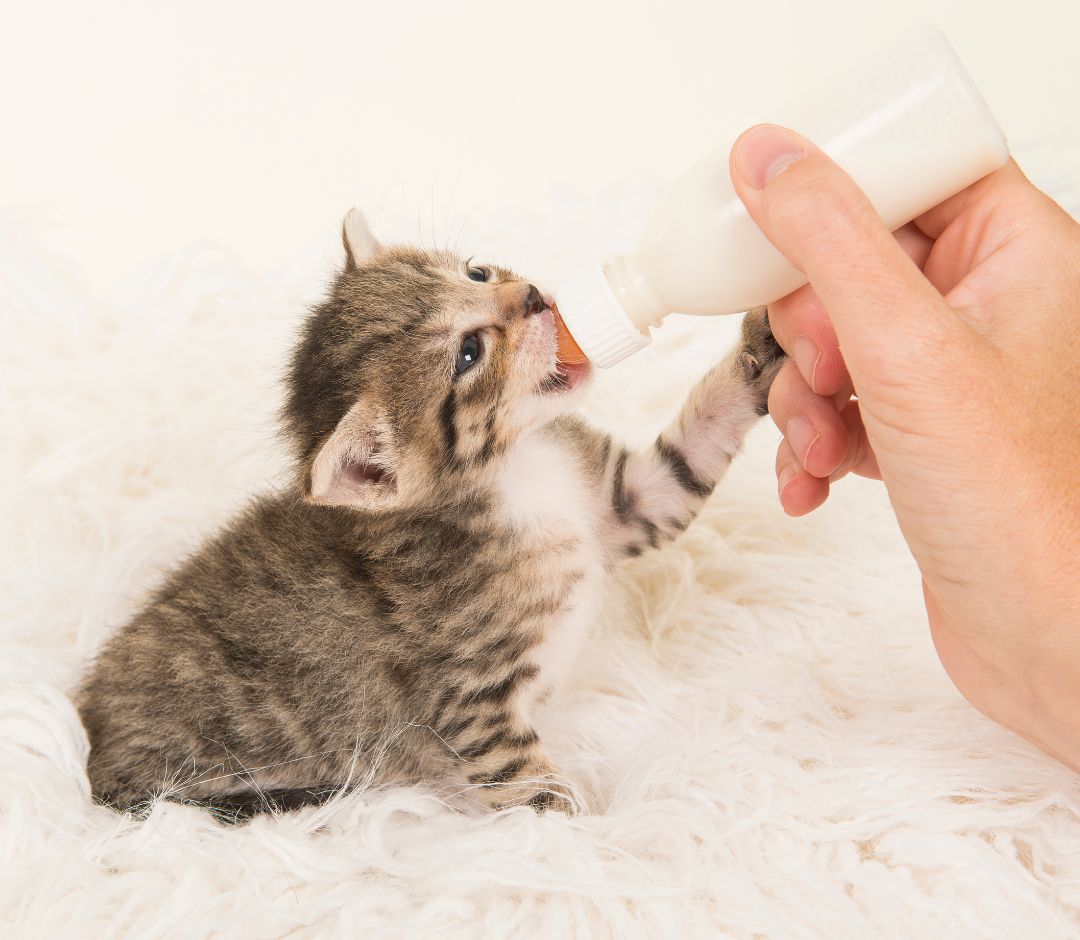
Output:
(566, 377)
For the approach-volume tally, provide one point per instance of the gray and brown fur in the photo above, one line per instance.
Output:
(399, 611)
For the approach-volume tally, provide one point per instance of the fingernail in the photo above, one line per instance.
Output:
(786, 475)
(807, 356)
(764, 151)
(802, 437)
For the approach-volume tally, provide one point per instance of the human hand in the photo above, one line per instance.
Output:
(960, 337)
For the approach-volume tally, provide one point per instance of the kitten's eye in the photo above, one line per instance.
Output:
(477, 272)
(469, 354)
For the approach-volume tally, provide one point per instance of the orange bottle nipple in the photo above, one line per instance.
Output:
(566, 348)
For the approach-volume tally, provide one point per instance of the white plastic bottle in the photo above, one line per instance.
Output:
(907, 124)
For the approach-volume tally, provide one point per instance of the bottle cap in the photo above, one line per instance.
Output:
(594, 318)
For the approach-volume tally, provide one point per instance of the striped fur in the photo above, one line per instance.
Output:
(400, 611)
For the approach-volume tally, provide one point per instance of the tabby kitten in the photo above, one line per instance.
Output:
(402, 608)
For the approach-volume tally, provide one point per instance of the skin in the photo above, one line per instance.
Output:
(959, 336)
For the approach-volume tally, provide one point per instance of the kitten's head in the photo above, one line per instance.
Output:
(419, 368)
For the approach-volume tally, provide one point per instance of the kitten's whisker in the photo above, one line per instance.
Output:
(461, 229)
(431, 220)
(446, 220)
(394, 220)
(405, 200)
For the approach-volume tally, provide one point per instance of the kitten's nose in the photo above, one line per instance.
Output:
(534, 301)
(516, 299)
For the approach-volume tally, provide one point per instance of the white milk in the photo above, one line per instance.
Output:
(907, 123)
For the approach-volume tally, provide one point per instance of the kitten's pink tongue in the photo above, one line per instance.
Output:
(566, 348)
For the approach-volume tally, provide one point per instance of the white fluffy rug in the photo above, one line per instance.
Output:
(760, 727)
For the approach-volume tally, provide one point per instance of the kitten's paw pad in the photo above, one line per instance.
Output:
(760, 357)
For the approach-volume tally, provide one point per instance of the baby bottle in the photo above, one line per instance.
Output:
(909, 126)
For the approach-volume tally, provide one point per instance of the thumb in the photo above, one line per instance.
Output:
(885, 312)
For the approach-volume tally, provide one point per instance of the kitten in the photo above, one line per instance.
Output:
(399, 611)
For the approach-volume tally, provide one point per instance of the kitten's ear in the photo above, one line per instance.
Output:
(360, 244)
(357, 466)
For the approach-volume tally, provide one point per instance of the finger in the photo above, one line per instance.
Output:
(916, 243)
(983, 220)
(810, 423)
(859, 457)
(802, 327)
(799, 492)
(1006, 188)
(882, 307)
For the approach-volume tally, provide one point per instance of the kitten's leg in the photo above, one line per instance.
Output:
(655, 493)
(497, 752)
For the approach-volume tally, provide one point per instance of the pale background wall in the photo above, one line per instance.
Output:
(130, 129)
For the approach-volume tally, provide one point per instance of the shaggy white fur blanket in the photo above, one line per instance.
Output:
(760, 728)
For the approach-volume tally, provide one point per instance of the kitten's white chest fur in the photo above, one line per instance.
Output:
(545, 497)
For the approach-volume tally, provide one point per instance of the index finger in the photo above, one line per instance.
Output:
(802, 327)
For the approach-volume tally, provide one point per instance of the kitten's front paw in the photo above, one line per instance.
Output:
(760, 357)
